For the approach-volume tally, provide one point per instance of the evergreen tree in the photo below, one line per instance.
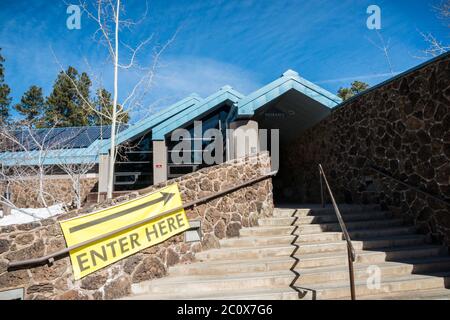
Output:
(104, 105)
(65, 107)
(5, 99)
(356, 87)
(32, 105)
(345, 93)
(82, 102)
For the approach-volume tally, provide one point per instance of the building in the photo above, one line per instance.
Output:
(290, 103)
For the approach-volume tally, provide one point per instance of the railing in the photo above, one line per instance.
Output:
(379, 171)
(351, 255)
(51, 257)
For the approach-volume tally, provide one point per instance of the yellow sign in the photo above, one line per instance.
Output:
(101, 253)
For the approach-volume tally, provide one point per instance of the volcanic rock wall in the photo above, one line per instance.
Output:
(401, 127)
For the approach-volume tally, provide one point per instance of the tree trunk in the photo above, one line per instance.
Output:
(112, 153)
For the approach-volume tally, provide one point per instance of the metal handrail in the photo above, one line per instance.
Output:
(51, 257)
(351, 254)
(374, 168)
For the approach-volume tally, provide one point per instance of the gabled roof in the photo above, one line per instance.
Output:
(152, 121)
(190, 114)
(178, 115)
(290, 80)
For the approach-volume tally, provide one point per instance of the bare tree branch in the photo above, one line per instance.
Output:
(109, 17)
(30, 149)
(435, 47)
(384, 48)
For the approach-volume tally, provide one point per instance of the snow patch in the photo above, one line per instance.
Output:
(20, 216)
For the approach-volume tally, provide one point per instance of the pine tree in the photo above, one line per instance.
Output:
(66, 106)
(5, 99)
(104, 105)
(345, 93)
(83, 111)
(32, 105)
(356, 88)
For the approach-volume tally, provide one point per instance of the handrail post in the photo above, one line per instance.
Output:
(350, 249)
(321, 188)
(351, 273)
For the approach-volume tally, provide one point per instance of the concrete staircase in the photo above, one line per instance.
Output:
(300, 254)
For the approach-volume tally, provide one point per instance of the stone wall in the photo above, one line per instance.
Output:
(221, 217)
(401, 127)
(24, 193)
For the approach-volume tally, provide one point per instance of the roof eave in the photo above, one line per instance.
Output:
(290, 80)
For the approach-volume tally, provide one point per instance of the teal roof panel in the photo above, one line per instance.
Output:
(152, 121)
(51, 157)
(190, 114)
(290, 80)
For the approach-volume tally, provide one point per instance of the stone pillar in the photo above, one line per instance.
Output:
(159, 161)
(243, 139)
(103, 166)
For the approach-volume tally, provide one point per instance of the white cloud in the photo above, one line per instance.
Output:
(184, 75)
(178, 77)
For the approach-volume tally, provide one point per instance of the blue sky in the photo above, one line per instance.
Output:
(243, 43)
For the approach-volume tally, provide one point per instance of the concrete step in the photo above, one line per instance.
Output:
(247, 242)
(360, 234)
(363, 271)
(258, 294)
(390, 241)
(431, 294)
(371, 257)
(222, 267)
(354, 233)
(245, 253)
(352, 225)
(375, 243)
(408, 283)
(325, 218)
(310, 275)
(256, 241)
(261, 240)
(214, 284)
(267, 231)
(318, 237)
(328, 253)
(308, 210)
(330, 226)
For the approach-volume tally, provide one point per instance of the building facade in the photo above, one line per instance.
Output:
(242, 124)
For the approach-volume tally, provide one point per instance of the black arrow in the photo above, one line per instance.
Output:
(165, 197)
